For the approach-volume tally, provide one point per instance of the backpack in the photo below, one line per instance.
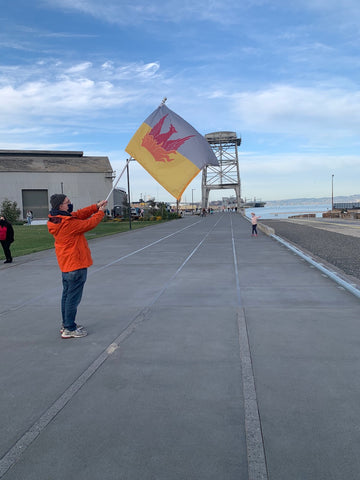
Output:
(3, 231)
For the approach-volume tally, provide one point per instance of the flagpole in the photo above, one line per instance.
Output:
(117, 181)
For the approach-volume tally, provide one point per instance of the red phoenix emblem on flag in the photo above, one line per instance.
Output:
(159, 144)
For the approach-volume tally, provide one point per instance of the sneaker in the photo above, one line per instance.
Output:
(74, 333)
(79, 327)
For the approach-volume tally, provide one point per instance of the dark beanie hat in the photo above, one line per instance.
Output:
(56, 200)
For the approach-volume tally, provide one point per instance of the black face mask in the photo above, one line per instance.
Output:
(70, 207)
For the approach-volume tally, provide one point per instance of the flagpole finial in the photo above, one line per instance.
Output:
(163, 101)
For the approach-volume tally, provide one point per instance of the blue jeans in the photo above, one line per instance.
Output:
(73, 285)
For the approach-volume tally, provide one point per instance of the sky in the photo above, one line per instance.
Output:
(284, 75)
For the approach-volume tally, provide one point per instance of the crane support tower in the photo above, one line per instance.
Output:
(226, 174)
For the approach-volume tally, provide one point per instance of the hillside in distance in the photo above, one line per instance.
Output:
(315, 201)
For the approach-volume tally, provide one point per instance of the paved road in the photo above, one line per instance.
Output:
(210, 355)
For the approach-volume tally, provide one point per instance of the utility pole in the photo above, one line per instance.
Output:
(128, 185)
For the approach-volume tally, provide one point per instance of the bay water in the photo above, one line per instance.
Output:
(285, 211)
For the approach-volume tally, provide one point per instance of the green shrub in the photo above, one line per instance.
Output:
(10, 210)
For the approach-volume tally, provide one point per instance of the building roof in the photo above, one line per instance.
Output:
(51, 161)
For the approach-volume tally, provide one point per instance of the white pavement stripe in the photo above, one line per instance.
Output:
(93, 271)
(184, 263)
(257, 469)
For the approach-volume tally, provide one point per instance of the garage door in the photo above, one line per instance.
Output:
(37, 201)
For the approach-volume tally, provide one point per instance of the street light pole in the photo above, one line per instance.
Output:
(332, 192)
(128, 185)
(192, 201)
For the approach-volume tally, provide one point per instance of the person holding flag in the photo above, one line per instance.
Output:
(73, 254)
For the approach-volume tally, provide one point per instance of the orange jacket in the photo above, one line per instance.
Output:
(71, 248)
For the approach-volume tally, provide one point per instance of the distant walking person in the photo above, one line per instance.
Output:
(6, 238)
(29, 217)
(254, 220)
(73, 254)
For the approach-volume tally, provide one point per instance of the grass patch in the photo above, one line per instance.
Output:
(35, 238)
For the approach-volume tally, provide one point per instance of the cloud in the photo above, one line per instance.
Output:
(291, 110)
(81, 67)
(57, 90)
(218, 12)
(134, 12)
(78, 94)
(294, 163)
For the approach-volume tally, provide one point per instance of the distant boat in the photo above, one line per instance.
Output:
(252, 204)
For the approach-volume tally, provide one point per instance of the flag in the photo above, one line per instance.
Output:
(171, 150)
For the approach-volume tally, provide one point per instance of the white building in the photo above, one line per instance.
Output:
(30, 177)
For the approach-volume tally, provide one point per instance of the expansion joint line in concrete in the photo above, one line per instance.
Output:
(257, 469)
(15, 453)
(166, 286)
(135, 252)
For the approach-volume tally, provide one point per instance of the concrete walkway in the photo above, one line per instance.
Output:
(211, 355)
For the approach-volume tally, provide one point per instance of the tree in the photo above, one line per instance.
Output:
(162, 208)
(10, 210)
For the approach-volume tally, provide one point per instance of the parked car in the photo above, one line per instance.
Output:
(135, 213)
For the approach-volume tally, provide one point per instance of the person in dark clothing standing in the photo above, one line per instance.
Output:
(6, 238)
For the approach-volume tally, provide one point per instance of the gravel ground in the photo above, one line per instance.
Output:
(342, 251)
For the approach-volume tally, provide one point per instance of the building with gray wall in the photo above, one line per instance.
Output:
(30, 177)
